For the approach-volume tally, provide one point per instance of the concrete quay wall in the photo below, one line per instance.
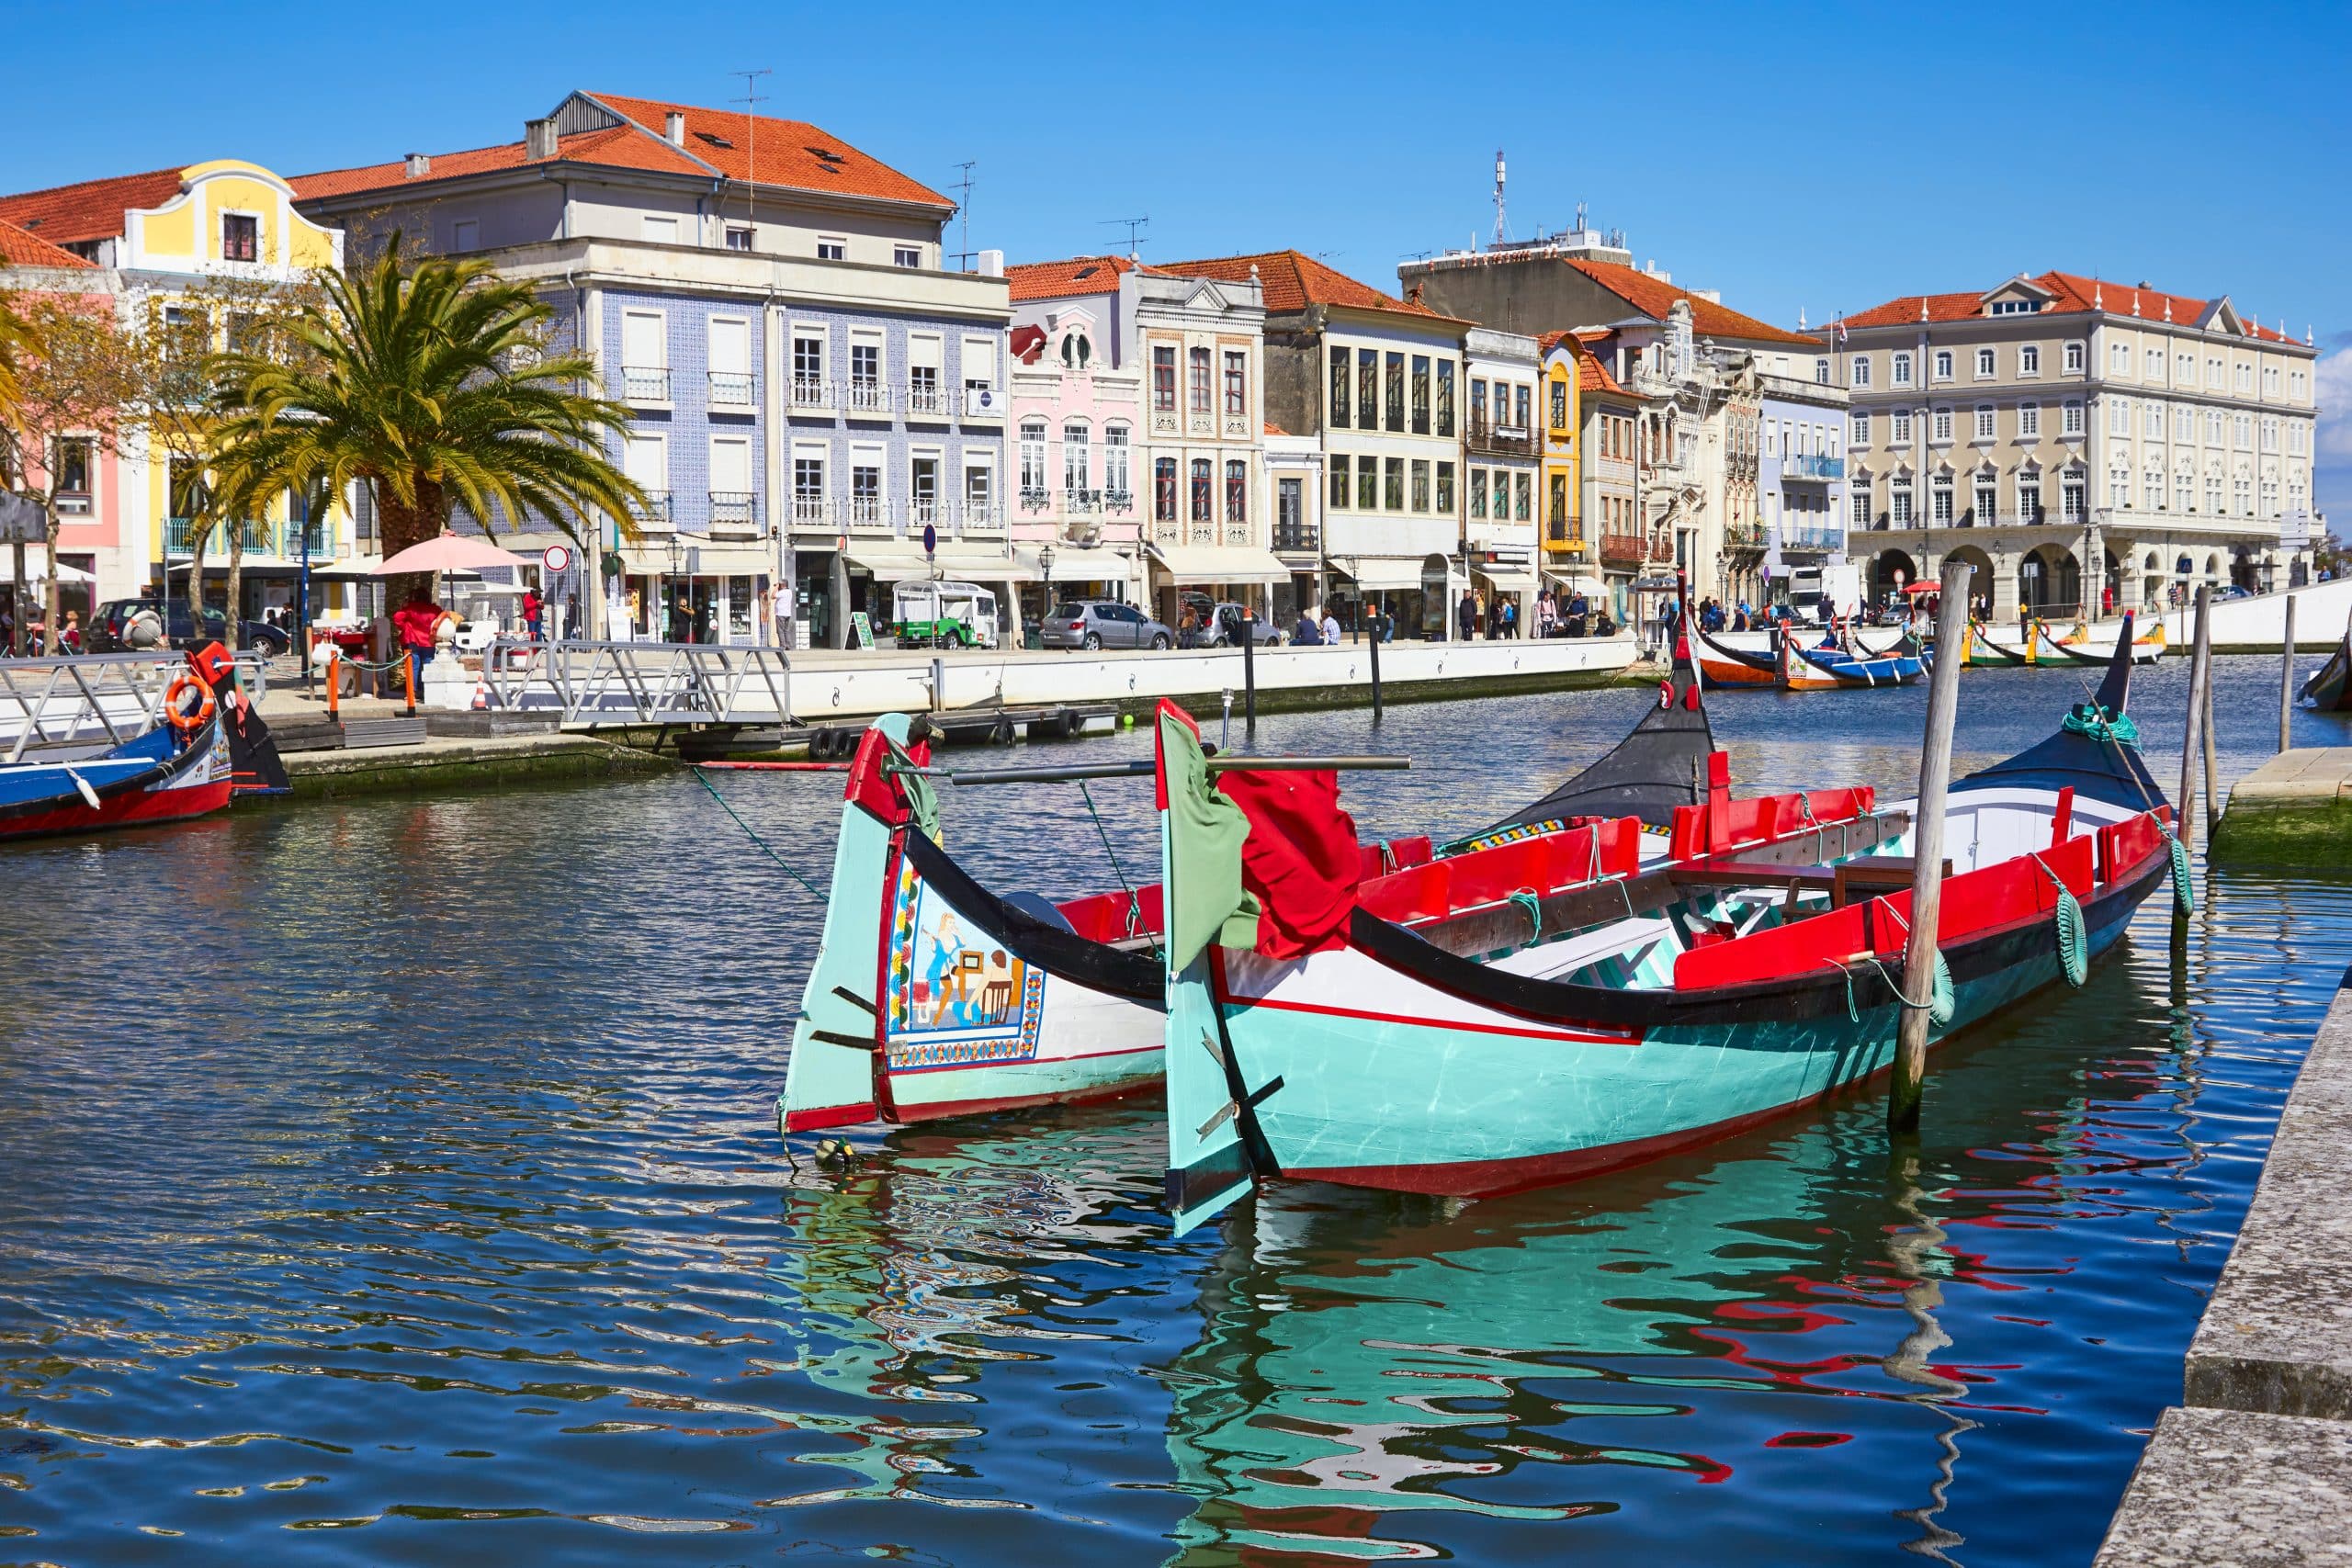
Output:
(2256, 1468)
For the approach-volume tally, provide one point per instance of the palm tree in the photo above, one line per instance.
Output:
(430, 386)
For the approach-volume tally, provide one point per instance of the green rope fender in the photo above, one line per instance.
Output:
(2184, 891)
(2073, 937)
(1527, 899)
(2100, 724)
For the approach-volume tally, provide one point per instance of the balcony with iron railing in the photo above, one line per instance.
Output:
(1036, 498)
(645, 384)
(865, 400)
(1301, 537)
(1079, 502)
(866, 514)
(812, 394)
(734, 512)
(1744, 536)
(1491, 438)
(981, 517)
(730, 390)
(1624, 548)
(654, 513)
(927, 402)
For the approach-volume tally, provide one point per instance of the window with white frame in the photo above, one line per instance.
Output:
(1984, 421)
(1861, 429)
(2119, 488)
(2075, 359)
(2295, 384)
(832, 247)
(1862, 369)
(1943, 424)
(2028, 421)
(2030, 496)
(2270, 380)
(2073, 497)
(2155, 364)
(906, 256)
(645, 356)
(1984, 357)
(808, 482)
(739, 236)
(1898, 503)
(2295, 438)
(2119, 416)
(645, 459)
(865, 497)
(1033, 462)
(1939, 501)
(979, 369)
(2246, 376)
(2213, 492)
(2242, 488)
(1902, 376)
(2184, 423)
(1988, 500)
(865, 390)
(2184, 369)
(2029, 359)
(2151, 421)
(2151, 490)
(922, 487)
(1821, 372)
(2070, 419)
(926, 394)
(731, 496)
(2213, 372)
(660, 231)
(2119, 359)
(1077, 459)
(2184, 491)
(808, 365)
(1899, 420)
(1117, 483)
(1859, 503)
(979, 487)
(2242, 432)
(2271, 435)
(2213, 427)
(731, 362)
(1943, 364)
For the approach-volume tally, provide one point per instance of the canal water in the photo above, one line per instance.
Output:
(396, 1182)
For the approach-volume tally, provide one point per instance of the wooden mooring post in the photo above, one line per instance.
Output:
(2200, 656)
(2287, 676)
(1249, 673)
(1928, 856)
(1376, 671)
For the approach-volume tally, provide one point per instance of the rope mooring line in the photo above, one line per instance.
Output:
(766, 848)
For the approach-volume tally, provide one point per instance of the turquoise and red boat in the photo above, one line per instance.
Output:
(932, 996)
(1317, 1031)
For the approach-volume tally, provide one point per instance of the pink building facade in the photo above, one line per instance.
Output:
(1075, 499)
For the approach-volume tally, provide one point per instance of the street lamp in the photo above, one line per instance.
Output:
(1045, 590)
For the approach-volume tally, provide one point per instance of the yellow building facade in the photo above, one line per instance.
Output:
(1567, 552)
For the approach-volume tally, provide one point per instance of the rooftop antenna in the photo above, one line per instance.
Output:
(1580, 217)
(750, 100)
(1502, 231)
(1135, 227)
(965, 257)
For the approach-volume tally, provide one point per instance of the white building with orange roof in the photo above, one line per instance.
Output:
(815, 391)
(2084, 444)
(1377, 382)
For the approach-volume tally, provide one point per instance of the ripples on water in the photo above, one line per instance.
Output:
(396, 1182)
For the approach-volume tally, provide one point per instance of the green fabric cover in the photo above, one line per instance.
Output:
(1205, 900)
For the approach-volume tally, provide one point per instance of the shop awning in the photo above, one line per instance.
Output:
(886, 564)
(1382, 574)
(1577, 581)
(649, 559)
(1214, 563)
(1074, 564)
(1505, 578)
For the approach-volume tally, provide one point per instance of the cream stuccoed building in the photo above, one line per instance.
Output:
(2080, 443)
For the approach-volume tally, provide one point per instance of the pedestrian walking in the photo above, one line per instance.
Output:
(414, 622)
(1466, 615)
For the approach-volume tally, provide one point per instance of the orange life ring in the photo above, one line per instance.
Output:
(187, 723)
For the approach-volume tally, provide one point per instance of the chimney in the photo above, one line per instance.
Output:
(416, 165)
(538, 139)
(673, 126)
(991, 263)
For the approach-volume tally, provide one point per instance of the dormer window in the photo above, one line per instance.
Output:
(240, 237)
(2013, 308)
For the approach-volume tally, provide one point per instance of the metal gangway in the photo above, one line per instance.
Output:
(585, 684)
(87, 698)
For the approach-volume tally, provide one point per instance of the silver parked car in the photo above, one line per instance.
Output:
(1102, 623)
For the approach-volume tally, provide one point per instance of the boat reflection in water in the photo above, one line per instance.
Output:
(1646, 1360)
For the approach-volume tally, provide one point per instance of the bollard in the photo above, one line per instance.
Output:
(2287, 676)
(1249, 671)
(1927, 858)
(408, 679)
(2200, 653)
(939, 685)
(1224, 736)
(335, 682)
(1375, 675)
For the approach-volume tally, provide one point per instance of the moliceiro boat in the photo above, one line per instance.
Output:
(932, 996)
(2076, 648)
(1820, 668)
(188, 765)
(1317, 1033)
(2330, 687)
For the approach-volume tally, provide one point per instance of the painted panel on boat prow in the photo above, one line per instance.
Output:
(1208, 1164)
(829, 1080)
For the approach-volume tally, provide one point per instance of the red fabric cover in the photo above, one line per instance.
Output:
(1102, 917)
(1300, 861)
(871, 788)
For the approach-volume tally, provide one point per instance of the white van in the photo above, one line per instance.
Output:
(951, 615)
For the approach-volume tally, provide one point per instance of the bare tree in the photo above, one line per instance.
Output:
(74, 384)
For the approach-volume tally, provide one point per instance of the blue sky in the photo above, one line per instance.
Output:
(1812, 157)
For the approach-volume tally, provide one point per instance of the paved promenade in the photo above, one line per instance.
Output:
(2255, 1469)
(2295, 809)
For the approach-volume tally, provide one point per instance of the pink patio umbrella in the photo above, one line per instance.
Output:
(446, 551)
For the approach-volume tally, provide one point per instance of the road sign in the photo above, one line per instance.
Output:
(930, 538)
(555, 558)
(2295, 530)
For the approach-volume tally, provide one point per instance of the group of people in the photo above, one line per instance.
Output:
(1559, 610)
(1315, 626)
(37, 638)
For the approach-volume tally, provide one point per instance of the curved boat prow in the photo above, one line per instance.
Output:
(2116, 689)
(1662, 764)
(828, 1081)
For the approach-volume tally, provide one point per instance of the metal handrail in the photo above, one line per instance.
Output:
(90, 696)
(593, 684)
